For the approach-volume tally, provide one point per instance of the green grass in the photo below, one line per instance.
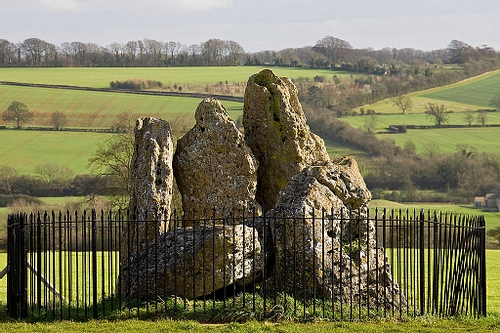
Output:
(23, 150)
(425, 324)
(483, 139)
(101, 77)
(384, 121)
(478, 91)
(469, 94)
(492, 218)
(162, 324)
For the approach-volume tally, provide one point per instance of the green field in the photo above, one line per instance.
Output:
(100, 109)
(471, 94)
(23, 150)
(101, 77)
(483, 139)
(477, 91)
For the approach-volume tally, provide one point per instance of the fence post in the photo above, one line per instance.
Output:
(94, 264)
(422, 262)
(482, 224)
(17, 294)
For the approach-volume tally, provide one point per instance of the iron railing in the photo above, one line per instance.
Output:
(71, 265)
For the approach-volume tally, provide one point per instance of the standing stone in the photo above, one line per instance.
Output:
(276, 131)
(191, 262)
(324, 242)
(214, 168)
(151, 181)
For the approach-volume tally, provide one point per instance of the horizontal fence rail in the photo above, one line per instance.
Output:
(334, 265)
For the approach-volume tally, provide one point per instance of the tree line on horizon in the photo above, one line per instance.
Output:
(328, 53)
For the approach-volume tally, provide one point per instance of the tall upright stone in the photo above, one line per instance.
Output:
(324, 241)
(276, 131)
(214, 168)
(151, 181)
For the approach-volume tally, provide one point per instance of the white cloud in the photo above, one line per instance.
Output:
(191, 5)
(61, 5)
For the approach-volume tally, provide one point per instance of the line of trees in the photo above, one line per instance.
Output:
(35, 52)
(19, 114)
(49, 179)
(328, 52)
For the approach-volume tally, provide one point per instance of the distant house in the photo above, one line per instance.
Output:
(490, 201)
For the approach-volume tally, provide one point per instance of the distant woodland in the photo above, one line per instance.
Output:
(329, 52)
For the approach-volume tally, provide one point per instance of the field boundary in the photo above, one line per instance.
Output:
(125, 91)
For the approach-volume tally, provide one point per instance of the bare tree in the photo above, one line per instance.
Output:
(482, 118)
(403, 102)
(235, 51)
(469, 117)
(7, 173)
(58, 120)
(54, 174)
(439, 113)
(461, 52)
(131, 51)
(335, 49)
(6, 53)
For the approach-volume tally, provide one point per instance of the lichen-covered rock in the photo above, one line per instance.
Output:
(151, 181)
(213, 166)
(342, 177)
(325, 244)
(193, 262)
(276, 131)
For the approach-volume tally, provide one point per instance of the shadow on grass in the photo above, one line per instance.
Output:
(241, 308)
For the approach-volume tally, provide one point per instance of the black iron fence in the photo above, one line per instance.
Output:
(340, 266)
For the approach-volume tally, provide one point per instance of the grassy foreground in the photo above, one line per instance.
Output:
(417, 325)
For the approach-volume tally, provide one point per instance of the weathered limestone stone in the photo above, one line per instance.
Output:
(337, 259)
(193, 262)
(213, 166)
(151, 181)
(276, 131)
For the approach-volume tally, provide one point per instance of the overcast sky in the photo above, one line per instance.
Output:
(256, 24)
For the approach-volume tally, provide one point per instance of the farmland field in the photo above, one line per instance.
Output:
(469, 94)
(472, 94)
(483, 139)
(100, 109)
(383, 121)
(101, 77)
(477, 92)
(23, 150)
